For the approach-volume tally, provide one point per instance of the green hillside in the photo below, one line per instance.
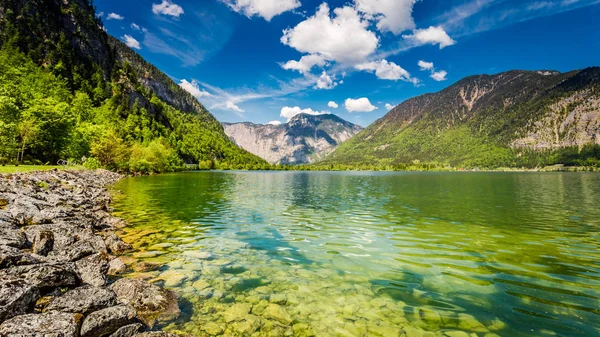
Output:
(514, 119)
(68, 90)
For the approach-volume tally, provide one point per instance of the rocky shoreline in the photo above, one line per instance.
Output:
(59, 261)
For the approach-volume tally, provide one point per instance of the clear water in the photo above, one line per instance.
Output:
(371, 254)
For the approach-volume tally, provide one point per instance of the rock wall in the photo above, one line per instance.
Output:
(59, 261)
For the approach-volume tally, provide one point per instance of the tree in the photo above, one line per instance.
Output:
(28, 130)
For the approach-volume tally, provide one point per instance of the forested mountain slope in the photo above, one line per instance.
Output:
(515, 119)
(69, 90)
(304, 139)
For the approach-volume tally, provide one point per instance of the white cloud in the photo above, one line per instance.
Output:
(359, 105)
(289, 112)
(431, 35)
(114, 16)
(274, 123)
(131, 42)
(136, 27)
(231, 106)
(386, 71)
(306, 63)
(391, 15)
(167, 7)
(388, 106)
(439, 75)
(325, 82)
(333, 104)
(194, 88)
(344, 38)
(425, 65)
(264, 8)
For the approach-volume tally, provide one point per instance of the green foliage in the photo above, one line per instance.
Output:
(92, 163)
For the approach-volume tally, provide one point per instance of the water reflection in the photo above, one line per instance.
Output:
(372, 253)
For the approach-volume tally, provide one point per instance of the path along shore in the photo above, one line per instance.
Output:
(59, 262)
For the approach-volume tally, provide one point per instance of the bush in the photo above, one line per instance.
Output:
(92, 163)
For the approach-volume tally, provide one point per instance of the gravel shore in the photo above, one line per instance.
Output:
(59, 261)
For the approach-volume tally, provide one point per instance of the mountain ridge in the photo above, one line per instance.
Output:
(303, 139)
(485, 120)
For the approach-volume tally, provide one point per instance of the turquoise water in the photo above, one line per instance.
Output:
(371, 254)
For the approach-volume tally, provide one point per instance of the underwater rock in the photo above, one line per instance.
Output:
(46, 324)
(278, 313)
(200, 285)
(212, 328)
(151, 303)
(144, 266)
(83, 300)
(470, 323)
(278, 298)
(173, 278)
(237, 312)
(107, 321)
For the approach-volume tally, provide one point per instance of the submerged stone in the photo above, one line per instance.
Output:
(237, 312)
(278, 313)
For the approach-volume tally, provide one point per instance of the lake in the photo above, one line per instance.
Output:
(371, 254)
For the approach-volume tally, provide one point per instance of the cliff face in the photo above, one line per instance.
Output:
(485, 119)
(304, 139)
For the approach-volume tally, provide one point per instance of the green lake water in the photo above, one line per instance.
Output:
(371, 254)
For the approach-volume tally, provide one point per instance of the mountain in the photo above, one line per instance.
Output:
(105, 95)
(513, 119)
(304, 139)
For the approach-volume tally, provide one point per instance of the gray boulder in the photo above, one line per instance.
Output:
(12, 236)
(107, 321)
(16, 296)
(152, 304)
(47, 275)
(83, 300)
(93, 269)
(43, 242)
(128, 330)
(49, 324)
(10, 256)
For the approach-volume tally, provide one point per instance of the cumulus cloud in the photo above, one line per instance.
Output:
(194, 88)
(289, 112)
(387, 71)
(231, 106)
(263, 8)
(167, 7)
(425, 65)
(325, 82)
(333, 104)
(274, 123)
(439, 75)
(343, 37)
(131, 42)
(114, 16)
(391, 15)
(388, 106)
(436, 75)
(306, 63)
(431, 35)
(359, 105)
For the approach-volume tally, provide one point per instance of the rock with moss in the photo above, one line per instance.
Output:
(46, 324)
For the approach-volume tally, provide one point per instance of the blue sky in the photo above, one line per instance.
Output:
(266, 60)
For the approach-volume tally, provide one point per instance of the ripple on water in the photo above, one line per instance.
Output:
(336, 254)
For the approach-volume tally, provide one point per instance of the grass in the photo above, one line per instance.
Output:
(28, 168)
